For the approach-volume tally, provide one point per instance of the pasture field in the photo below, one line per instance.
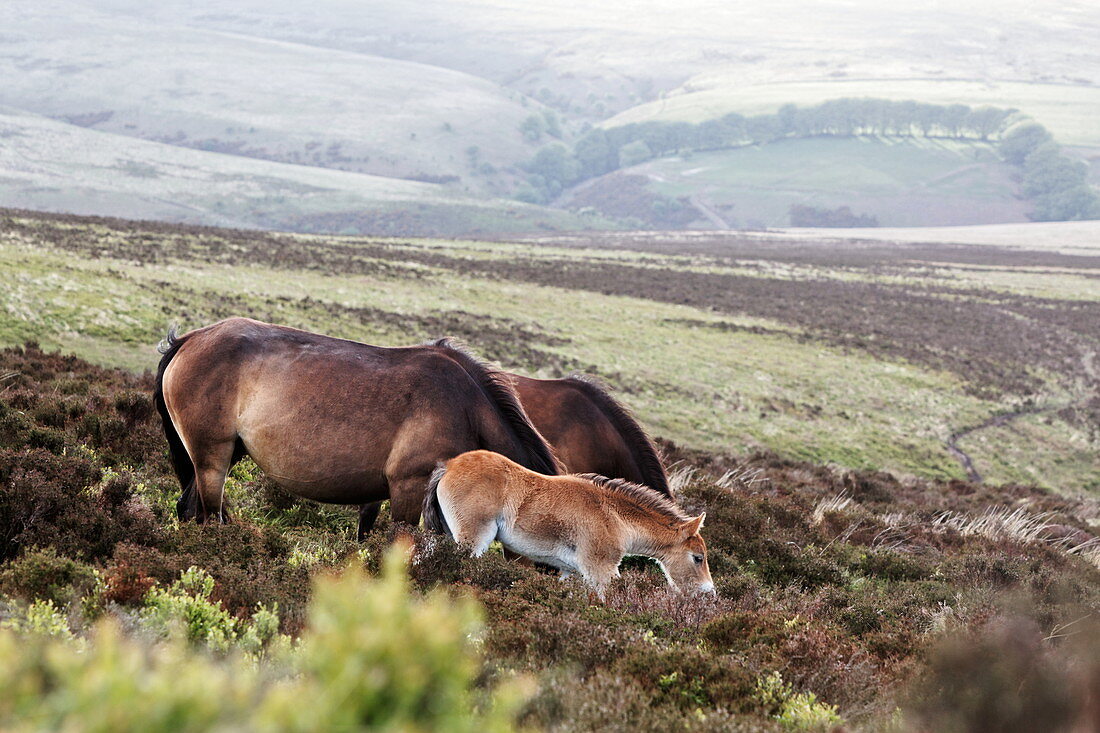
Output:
(782, 376)
(900, 182)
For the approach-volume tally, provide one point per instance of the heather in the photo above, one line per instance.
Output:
(845, 597)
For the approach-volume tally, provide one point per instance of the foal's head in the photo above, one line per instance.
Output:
(685, 560)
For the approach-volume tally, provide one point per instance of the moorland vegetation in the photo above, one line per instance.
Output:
(844, 596)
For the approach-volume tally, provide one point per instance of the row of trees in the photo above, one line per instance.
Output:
(1056, 184)
(600, 151)
(1053, 181)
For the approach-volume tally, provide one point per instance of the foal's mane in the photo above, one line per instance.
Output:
(639, 494)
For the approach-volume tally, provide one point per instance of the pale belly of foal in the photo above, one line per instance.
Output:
(554, 553)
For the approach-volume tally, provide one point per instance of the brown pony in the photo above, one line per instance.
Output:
(589, 430)
(581, 523)
(328, 419)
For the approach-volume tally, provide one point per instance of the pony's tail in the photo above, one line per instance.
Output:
(181, 461)
(637, 442)
(433, 513)
(536, 454)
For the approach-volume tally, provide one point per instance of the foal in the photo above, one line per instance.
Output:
(581, 523)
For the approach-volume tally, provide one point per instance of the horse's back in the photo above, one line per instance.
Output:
(583, 436)
(324, 416)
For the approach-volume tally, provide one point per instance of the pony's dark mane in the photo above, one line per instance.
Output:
(498, 388)
(638, 493)
(638, 443)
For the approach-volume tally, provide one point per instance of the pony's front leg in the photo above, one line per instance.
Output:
(368, 514)
(600, 575)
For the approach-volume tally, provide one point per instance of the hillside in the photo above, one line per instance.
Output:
(1066, 109)
(254, 97)
(464, 93)
(790, 372)
(899, 182)
(871, 356)
(54, 166)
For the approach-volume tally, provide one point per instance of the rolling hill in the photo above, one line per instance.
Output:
(463, 93)
(54, 166)
(1068, 111)
(255, 97)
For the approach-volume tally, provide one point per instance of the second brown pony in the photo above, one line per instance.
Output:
(588, 429)
(327, 419)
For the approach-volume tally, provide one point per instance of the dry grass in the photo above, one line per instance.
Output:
(831, 505)
(998, 523)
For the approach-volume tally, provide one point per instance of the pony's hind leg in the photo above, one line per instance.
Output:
(476, 535)
(211, 467)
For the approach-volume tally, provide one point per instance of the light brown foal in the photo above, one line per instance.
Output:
(580, 523)
(589, 430)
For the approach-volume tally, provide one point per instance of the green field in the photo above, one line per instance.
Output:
(900, 182)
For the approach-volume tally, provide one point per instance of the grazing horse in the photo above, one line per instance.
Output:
(589, 430)
(580, 523)
(327, 419)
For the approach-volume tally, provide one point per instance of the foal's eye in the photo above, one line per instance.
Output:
(698, 559)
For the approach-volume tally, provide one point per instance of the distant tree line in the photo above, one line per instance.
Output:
(556, 166)
(809, 216)
(1055, 182)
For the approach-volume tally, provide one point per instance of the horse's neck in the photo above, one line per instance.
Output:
(647, 538)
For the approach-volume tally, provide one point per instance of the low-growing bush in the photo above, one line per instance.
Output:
(1007, 676)
(374, 657)
(45, 575)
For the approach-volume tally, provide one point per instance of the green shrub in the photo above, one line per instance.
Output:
(41, 618)
(43, 574)
(374, 657)
(187, 606)
(795, 710)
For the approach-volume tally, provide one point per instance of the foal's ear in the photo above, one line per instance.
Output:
(693, 525)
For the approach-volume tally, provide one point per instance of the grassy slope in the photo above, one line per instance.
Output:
(264, 98)
(1066, 110)
(51, 165)
(900, 182)
(739, 383)
(887, 604)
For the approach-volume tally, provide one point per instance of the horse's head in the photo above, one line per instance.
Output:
(685, 560)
